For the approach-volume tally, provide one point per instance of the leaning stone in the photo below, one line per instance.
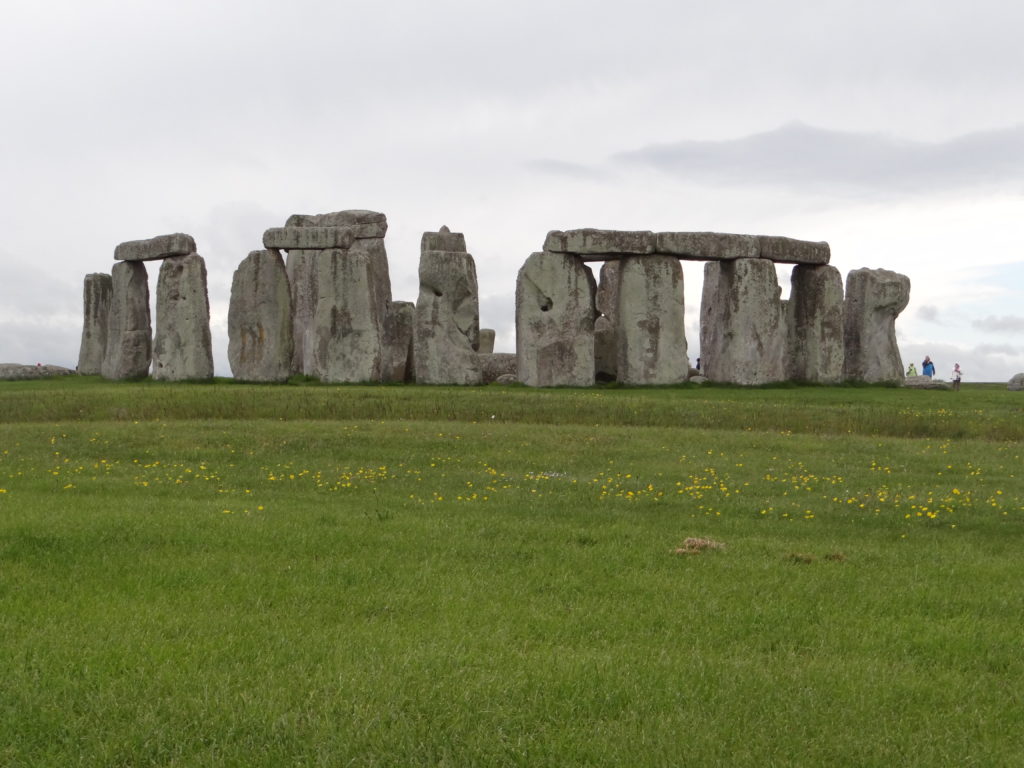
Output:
(182, 349)
(309, 238)
(555, 316)
(650, 333)
(96, 301)
(874, 299)
(486, 345)
(443, 240)
(365, 223)
(260, 319)
(494, 365)
(1016, 383)
(129, 333)
(742, 329)
(302, 281)
(161, 247)
(346, 339)
(786, 250)
(814, 323)
(447, 327)
(599, 241)
(707, 246)
(398, 347)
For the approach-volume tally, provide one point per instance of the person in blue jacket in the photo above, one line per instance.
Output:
(927, 367)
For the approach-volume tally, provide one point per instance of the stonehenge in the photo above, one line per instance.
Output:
(316, 300)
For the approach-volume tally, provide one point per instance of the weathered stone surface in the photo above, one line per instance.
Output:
(494, 365)
(596, 242)
(363, 223)
(399, 359)
(260, 319)
(96, 296)
(506, 379)
(182, 349)
(346, 338)
(486, 345)
(707, 246)
(742, 329)
(377, 259)
(650, 333)
(302, 270)
(443, 240)
(555, 315)
(129, 333)
(606, 349)
(1016, 383)
(786, 250)
(447, 320)
(160, 247)
(874, 298)
(309, 238)
(924, 382)
(814, 323)
(21, 372)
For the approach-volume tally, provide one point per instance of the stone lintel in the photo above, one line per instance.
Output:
(707, 246)
(160, 247)
(309, 238)
(340, 219)
(593, 242)
(786, 250)
(443, 240)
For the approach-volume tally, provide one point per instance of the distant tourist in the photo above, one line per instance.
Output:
(957, 373)
(927, 367)
(911, 370)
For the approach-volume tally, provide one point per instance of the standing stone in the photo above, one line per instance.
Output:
(606, 348)
(398, 346)
(742, 329)
(555, 314)
(1016, 382)
(486, 346)
(874, 299)
(814, 322)
(260, 319)
(650, 332)
(129, 333)
(302, 280)
(182, 349)
(447, 332)
(96, 301)
(346, 338)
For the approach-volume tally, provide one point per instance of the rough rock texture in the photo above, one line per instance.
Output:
(308, 238)
(650, 333)
(924, 382)
(606, 349)
(814, 321)
(707, 246)
(260, 319)
(96, 301)
(129, 333)
(346, 339)
(506, 378)
(742, 329)
(21, 372)
(160, 247)
(1016, 383)
(786, 250)
(367, 223)
(596, 242)
(182, 349)
(555, 315)
(874, 298)
(486, 343)
(443, 240)
(494, 365)
(447, 332)
(302, 271)
(399, 360)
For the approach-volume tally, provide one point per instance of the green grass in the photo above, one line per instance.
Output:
(309, 575)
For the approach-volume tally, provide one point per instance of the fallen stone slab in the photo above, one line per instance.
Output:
(160, 247)
(96, 296)
(925, 382)
(21, 372)
(182, 349)
(786, 250)
(494, 365)
(1016, 383)
(598, 242)
(707, 246)
(874, 299)
(309, 238)
(505, 379)
(260, 319)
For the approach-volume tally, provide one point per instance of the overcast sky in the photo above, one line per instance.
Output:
(893, 130)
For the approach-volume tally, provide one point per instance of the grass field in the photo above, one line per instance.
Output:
(230, 574)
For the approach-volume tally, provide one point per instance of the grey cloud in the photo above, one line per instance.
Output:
(808, 158)
(1003, 324)
(928, 313)
(996, 349)
(569, 170)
